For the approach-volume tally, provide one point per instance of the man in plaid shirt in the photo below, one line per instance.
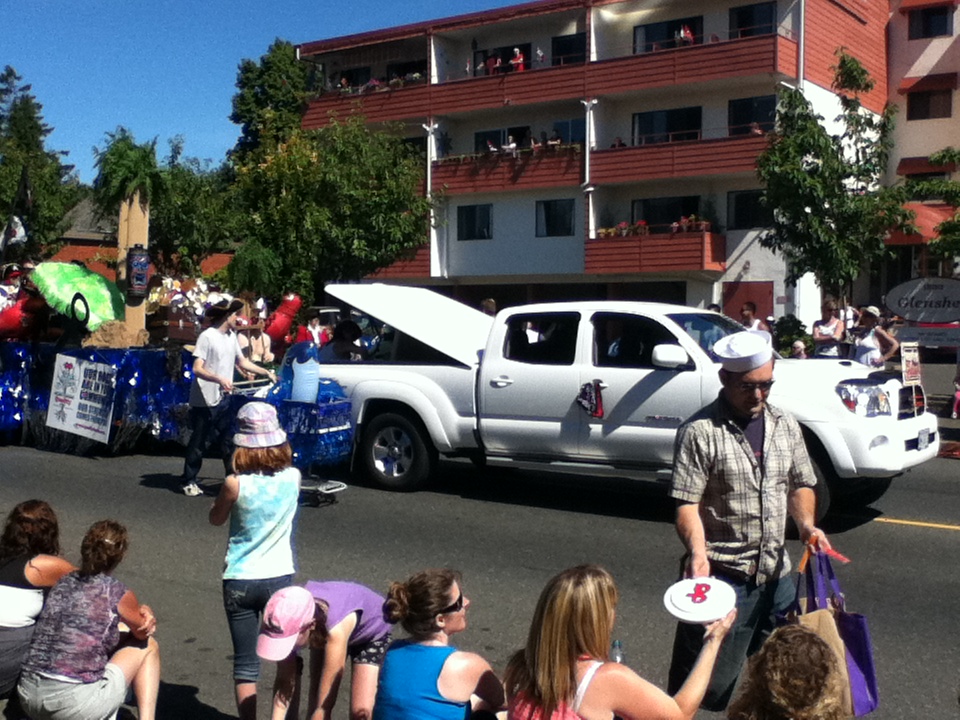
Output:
(740, 466)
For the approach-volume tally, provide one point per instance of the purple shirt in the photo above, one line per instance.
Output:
(77, 631)
(343, 598)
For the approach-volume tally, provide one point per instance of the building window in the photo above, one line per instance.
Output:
(555, 218)
(661, 213)
(474, 222)
(571, 131)
(751, 20)
(929, 105)
(661, 126)
(931, 22)
(751, 115)
(666, 35)
(569, 49)
(746, 210)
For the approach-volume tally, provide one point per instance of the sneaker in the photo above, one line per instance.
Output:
(191, 489)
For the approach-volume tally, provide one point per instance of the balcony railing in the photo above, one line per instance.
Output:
(697, 251)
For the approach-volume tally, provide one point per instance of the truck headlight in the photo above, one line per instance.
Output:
(864, 400)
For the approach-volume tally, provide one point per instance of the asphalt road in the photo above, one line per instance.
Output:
(508, 533)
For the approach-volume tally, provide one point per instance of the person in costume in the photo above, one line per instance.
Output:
(740, 468)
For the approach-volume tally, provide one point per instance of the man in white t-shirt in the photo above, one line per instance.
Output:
(216, 356)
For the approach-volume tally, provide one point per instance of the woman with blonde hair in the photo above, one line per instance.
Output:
(424, 677)
(794, 676)
(562, 673)
(260, 499)
(80, 663)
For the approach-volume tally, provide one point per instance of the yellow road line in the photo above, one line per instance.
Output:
(917, 523)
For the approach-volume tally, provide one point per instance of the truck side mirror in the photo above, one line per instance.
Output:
(672, 357)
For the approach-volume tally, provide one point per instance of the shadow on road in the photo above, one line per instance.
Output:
(613, 497)
(176, 702)
(848, 518)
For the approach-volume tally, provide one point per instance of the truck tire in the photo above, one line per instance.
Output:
(396, 453)
(824, 472)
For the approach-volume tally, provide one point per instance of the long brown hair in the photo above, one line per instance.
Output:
(103, 547)
(574, 617)
(262, 461)
(794, 676)
(31, 529)
(416, 603)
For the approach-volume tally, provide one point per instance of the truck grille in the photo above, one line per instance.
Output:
(912, 402)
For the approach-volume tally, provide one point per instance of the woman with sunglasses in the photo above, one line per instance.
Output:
(424, 677)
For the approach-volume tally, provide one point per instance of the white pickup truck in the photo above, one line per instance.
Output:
(445, 379)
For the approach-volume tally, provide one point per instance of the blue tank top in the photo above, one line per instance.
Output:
(408, 685)
(261, 526)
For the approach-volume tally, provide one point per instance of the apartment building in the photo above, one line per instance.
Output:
(924, 63)
(592, 148)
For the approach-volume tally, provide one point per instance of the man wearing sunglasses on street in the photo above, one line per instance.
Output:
(740, 466)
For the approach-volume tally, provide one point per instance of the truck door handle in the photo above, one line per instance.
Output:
(601, 384)
(501, 381)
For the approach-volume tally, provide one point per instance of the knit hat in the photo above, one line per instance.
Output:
(258, 427)
(288, 612)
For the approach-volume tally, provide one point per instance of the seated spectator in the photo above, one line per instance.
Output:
(555, 140)
(794, 676)
(80, 664)
(618, 142)
(511, 147)
(424, 676)
(345, 345)
(30, 563)
(563, 672)
(336, 620)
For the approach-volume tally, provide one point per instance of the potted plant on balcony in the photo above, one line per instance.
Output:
(623, 228)
(640, 227)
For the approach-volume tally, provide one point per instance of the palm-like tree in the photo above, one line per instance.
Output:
(126, 171)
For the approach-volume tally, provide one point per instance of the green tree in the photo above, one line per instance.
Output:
(947, 243)
(193, 217)
(330, 204)
(831, 213)
(269, 101)
(125, 170)
(35, 184)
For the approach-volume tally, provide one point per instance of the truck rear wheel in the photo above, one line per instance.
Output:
(396, 453)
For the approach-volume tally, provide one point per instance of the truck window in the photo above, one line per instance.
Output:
(542, 338)
(624, 340)
(706, 328)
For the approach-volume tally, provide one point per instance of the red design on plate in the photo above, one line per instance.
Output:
(699, 593)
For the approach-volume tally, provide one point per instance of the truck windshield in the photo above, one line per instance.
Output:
(706, 328)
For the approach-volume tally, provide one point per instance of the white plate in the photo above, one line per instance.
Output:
(699, 600)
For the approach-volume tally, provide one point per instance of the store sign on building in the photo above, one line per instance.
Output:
(926, 300)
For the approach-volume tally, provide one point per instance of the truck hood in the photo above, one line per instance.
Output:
(447, 325)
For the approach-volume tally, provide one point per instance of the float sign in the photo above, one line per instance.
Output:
(926, 300)
(81, 399)
(910, 360)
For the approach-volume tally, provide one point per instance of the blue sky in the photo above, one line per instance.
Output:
(167, 67)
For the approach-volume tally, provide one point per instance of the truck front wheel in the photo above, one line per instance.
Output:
(396, 453)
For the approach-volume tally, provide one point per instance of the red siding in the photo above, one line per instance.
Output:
(415, 266)
(497, 173)
(858, 26)
(708, 157)
(677, 252)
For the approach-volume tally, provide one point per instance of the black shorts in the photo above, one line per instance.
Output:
(370, 653)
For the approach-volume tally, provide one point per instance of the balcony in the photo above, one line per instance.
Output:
(719, 156)
(765, 55)
(656, 253)
(498, 172)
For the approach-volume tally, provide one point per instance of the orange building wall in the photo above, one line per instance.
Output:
(860, 26)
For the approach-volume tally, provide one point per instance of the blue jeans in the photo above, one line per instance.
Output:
(244, 601)
(208, 425)
(757, 608)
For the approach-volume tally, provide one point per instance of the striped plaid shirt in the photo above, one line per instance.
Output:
(743, 504)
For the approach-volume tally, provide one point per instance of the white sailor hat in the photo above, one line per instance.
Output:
(744, 351)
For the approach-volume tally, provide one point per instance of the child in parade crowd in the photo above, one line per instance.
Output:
(260, 498)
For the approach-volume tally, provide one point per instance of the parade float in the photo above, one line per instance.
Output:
(73, 379)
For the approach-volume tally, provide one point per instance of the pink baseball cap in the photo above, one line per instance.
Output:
(287, 613)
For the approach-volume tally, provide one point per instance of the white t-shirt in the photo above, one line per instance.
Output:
(220, 353)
